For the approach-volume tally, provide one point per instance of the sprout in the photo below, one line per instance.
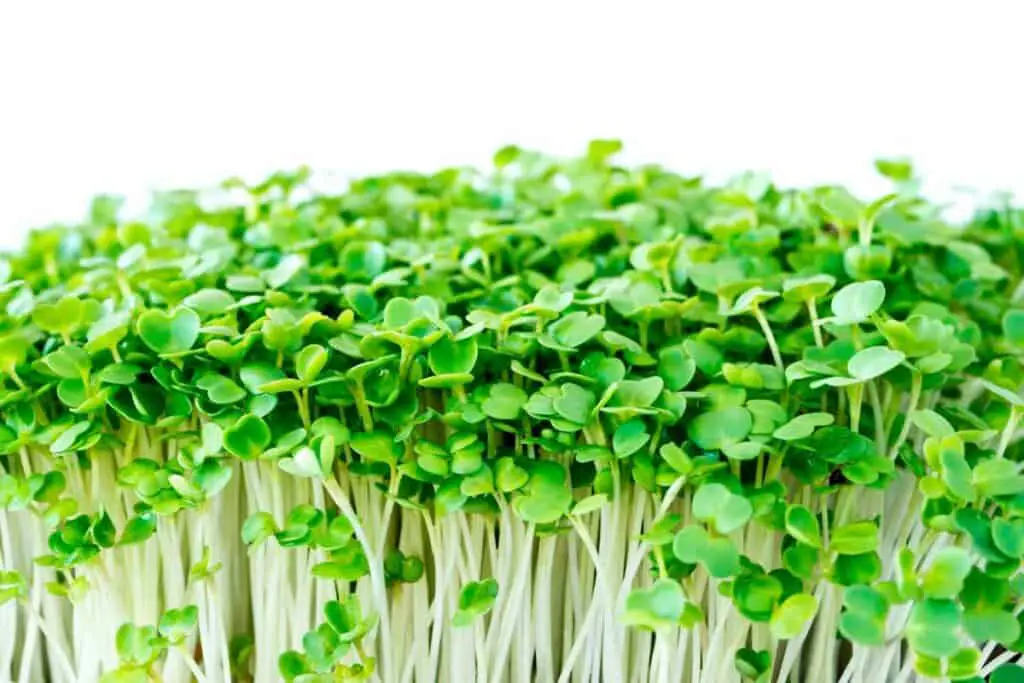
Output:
(566, 421)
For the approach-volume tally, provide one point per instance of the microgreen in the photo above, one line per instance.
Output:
(562, 420)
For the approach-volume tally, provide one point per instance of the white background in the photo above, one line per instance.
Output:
(127, 97)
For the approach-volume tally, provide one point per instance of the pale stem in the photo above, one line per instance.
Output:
(1008, 431)
(772, 344)
(812, 312)
(915, 396)
(376, 572)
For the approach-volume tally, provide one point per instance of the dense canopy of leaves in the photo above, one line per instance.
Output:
(817, 397)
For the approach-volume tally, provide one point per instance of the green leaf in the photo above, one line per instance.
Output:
(363, 260)
(751, 299)
(475, 599)
(725, 510)
(303, 463)
(861, 568)
(629, 438)
(248, 438)
(676, 458)
(291, 665)
(659, 606)
(255, 375)
(713, 430)
(119, 373)
(376, 446)
(448, 356)
(933, 628)
(212, 475)
(1008, 536)
(1007, 673)
(745, 450)
(70, 362)
(62, 317)
(638, 393)
(135, 644)
(896, 169)
(839, 206)
(220, 390)
(508, 476)
(978, 526)
(693, 545)
(854, 538)
(257, 528)
(1013, 327)
(802, 525)
(955, 470)
(176, 624)
(574, 403)
(138, 529)
(964, 663)
(873, 362)
(756, 595)
(944, 579)
(209, 301)
(997, 477)
(353, 569)
(309, 362)
(504, 401)
(992, 625)
(802, 426)
(169, 334)
(931, 423)
(753, 664)
(589, 504)
(1010, 397)
(857, 301)
(68, 438)
(676, 368)
(707, 357)
(790, 618)
(864, 615)
(800, 560)
(574, 330)
(807, 288)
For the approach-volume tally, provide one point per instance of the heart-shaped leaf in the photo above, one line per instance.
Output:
(718, 428)
(802, 426)
(247, 438)
(169, 334)
(659, 606)
(857, 301)
(790, 618)
(716, 504)
(504, 401)
(873, 362)
(694, 545)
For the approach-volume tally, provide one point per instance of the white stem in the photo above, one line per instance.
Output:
(376, 574)
(59, 654)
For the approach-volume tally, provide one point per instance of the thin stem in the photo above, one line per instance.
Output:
(376, 571)
(63, 661)
(856, 394)
(881, 438)
(1008, 431)
(603, 589)
(193, 667)
(915, 396)
(772, 344)
(812, 312)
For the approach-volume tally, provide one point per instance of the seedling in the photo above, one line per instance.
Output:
(562, 421)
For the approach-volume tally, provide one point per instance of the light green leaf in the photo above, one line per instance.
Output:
(873, 362)
(857, 301)
(790, 618)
